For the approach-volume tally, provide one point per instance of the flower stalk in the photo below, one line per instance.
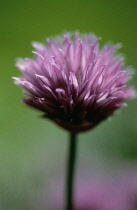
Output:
(71, 172)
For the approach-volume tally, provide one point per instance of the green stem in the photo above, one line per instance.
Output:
(70, 172)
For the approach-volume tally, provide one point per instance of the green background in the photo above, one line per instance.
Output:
(32, 150)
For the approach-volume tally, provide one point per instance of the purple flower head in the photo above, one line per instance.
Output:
(73, 82)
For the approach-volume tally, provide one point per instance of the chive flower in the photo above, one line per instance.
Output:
(74, 82)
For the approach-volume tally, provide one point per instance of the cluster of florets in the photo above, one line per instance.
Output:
(74, 83)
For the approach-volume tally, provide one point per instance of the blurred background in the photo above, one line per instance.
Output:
(33, 151)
